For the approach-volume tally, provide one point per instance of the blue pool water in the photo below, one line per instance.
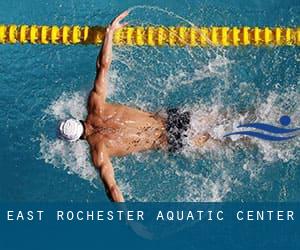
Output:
(42, 84)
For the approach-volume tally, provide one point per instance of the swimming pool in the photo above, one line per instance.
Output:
(42, 84)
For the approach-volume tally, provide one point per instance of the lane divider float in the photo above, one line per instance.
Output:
(152, 35)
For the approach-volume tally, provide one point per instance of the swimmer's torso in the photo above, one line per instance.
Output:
(124, 130)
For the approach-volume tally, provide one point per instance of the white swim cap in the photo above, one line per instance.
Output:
(70, 130)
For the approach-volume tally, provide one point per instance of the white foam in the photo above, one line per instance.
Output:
(68, 105)
(211, 188)
(216, 121)
(271, 110)
(72, 157)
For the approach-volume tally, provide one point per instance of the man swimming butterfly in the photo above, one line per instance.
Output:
(117, 130)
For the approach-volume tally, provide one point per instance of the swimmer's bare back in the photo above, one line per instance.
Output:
(123, 130)
(113, 129)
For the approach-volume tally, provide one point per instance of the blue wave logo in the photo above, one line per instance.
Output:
(279, 133)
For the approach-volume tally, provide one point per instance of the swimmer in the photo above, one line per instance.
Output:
(114, 130)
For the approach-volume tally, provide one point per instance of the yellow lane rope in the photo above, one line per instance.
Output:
(152, 35)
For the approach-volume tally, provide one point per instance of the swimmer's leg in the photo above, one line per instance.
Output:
(203, 138)
(200, 140)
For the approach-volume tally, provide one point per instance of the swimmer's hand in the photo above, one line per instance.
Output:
(115, 24)
(105, 57)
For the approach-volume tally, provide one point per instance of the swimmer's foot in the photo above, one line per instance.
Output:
(200, 140)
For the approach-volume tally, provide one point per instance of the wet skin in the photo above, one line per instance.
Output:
(118, 130)
(112, 129)
(123, 130)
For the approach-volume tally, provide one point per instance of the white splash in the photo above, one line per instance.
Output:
(68, 105)
(72, 157)
(214, 187)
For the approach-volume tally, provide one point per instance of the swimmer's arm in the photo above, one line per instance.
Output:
(105, 56)
(103, 164)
